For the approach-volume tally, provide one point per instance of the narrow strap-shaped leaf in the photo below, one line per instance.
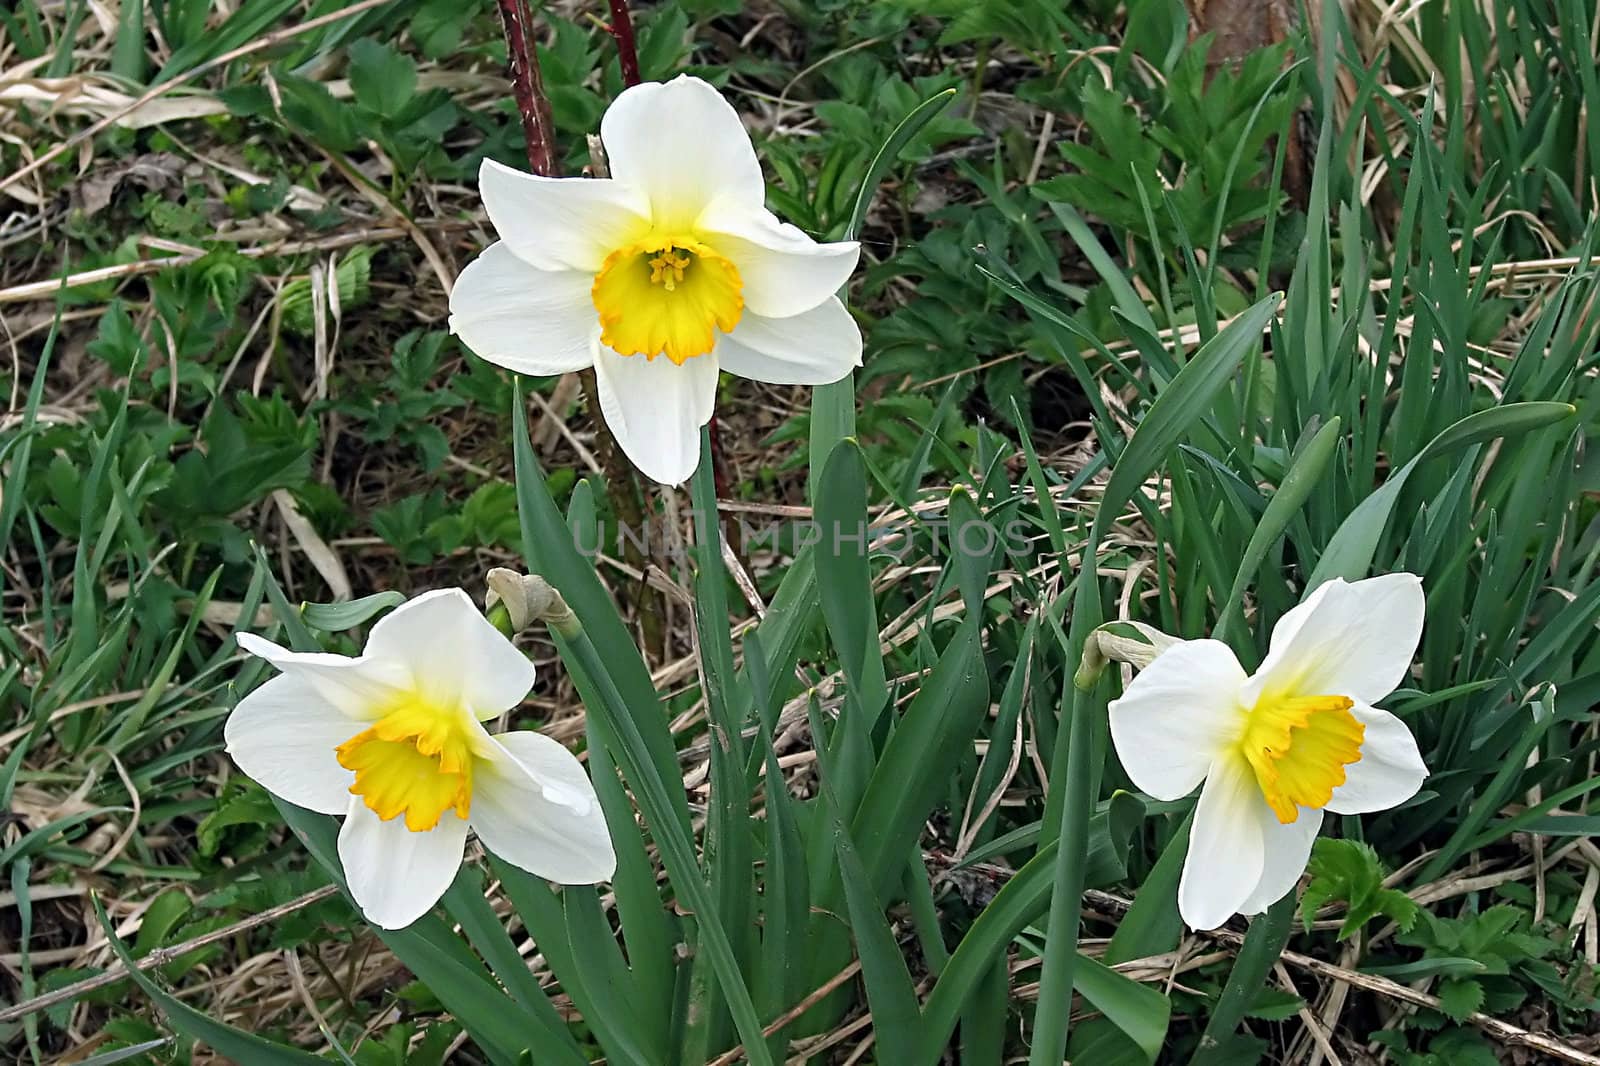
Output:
(1297, 484)
(890, 992)
(1137, 1009)
(728, 825)
(677, 850)
(1185, 400)
(1262, 946)
(1019, 902)
(785, 903)
(553, 556)
(1152, 924)
(235, 1044)
(650, 933)
(889, 151)
(833, 406)
(984, 1022)
(580, 965)
(844, 580)
(1349, 553)
(464, 900)
(914, 771)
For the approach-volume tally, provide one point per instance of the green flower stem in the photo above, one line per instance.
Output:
(677, 850)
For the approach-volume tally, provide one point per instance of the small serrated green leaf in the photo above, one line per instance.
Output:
(249, 807)
(1460, 997)
(382, 79)
(1349, 871)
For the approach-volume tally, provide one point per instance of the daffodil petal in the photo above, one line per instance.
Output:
(527, 320)
(396, 875)
(684, 147)
(784, 271)
(537, 810)
(1390, 770)
(655, 409)
(360, 688)
(561, 223)
(1352, 639)
(815, 347)
(454, 653)
(1287, 849)
(1226, 847)
(1177, 716)
(283, 734)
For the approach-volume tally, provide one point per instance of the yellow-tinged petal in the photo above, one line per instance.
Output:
(1178, 716)
(536, 809)
(527, 320)
(1354, 638)
(561, 223)
(1286, 847)
(284, 735)
(395, 777)
(785, 272)
(666, 295)
(1226, 846)
(418, 761)
(1391, 769)
(454, 656)
(1298, 747)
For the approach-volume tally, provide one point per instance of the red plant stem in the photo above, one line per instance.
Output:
(621, 29)
(532, 104)
(538, 129)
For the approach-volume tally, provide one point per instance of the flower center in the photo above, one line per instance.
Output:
(416, 760)
(1298, 747)
(666, 295)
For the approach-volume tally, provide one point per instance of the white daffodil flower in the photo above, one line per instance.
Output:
(1278, 747)
(658, 276)
(393, 740)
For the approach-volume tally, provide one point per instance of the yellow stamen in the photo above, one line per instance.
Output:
(666, 295)
(417, 760)
(1298, 747)
(667, 268)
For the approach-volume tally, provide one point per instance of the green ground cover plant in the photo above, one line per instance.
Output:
(1162, 332)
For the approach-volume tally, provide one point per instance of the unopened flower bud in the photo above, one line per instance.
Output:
(528, 598)
(1111, 642)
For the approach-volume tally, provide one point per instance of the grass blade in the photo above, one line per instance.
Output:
(236, 1044)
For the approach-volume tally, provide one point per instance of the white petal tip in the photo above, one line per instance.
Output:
(260, 647)
(1202, 923)
(601, 873)
(391, 924)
